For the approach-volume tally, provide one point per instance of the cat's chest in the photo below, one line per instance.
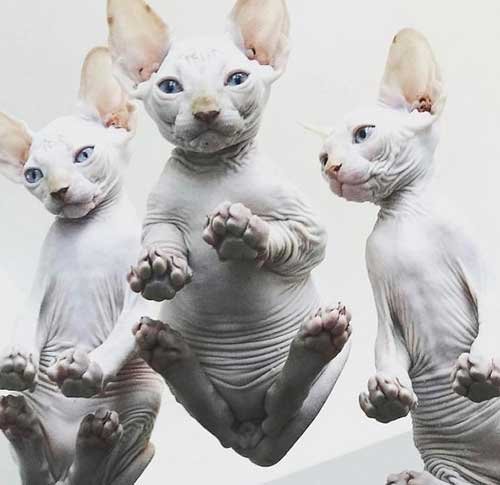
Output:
(198, 197)
(81, 257)
(424, 285)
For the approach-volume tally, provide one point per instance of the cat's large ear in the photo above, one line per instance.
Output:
(15, 144)
(261, 29)
(139, 39)
(412, 78)
(101, 93)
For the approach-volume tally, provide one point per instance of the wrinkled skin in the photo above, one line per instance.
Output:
(244, 342)
(437, 350)
(74, 337)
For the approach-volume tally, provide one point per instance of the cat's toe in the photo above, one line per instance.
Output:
(387, 399)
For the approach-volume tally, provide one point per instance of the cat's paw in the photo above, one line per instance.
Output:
(159, 275)
(237, 234)
(249, 436)
(101, 430)
(160, 346)
(387, 399)
(327, 332)
(18, 370)
(76, 375)
(18, 420)
(476, 377)
(413, 478)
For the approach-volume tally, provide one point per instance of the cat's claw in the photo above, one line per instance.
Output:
(326, 332)
(101, 430)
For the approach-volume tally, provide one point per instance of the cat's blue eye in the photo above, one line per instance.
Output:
(84, 155)
(237, 78)
(170, 86)
(362, 133)
(33, 175)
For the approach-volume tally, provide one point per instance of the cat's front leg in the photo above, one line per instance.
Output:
(19, 361)
(76, 374)
(289, 242)
(18, 368)
(237, 234)
(476, 374)
(160, 274)
(390, 397)
(390, 394)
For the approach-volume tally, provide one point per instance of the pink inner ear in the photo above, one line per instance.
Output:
(138, 38)
(15, 144)
(411, 74)
(100, 91)
(264, 28)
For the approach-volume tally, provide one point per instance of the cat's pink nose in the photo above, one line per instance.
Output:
(207, 116)
(333, 169)
(60, 194)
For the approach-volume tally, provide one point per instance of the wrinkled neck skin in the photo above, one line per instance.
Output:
(232, 158)
(411, 190)
(414, 198)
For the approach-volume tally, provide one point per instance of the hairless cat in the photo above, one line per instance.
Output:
(248, 348)
(86, 404)
(437, 348)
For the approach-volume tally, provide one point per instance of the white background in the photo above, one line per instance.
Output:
(339, 51)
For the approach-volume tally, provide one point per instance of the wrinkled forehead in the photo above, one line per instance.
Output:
(376, 115)
(66, 134)
(203, 54)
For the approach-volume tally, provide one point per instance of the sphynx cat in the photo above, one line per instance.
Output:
(86, 403)
(437, 348)
(229, 245)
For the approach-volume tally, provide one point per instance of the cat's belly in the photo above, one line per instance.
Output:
(242, 342)
(438, 323)
(135, 394)
(455, 435)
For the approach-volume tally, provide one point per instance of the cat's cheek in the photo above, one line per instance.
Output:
(335, 187)
(357, 193)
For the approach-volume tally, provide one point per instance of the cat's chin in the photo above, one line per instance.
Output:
(352, 193)
(209, 142)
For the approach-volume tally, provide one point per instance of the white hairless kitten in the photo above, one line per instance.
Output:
(86, 404)
(248, 349)
(437, 343)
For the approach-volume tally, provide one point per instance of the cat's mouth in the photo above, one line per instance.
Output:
(79, 208)
(214, 130)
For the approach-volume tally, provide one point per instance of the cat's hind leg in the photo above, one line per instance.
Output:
(97, 437)
(418, 478)
(270, 450)
(166, 351)
(320, 339)
(24, 431)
